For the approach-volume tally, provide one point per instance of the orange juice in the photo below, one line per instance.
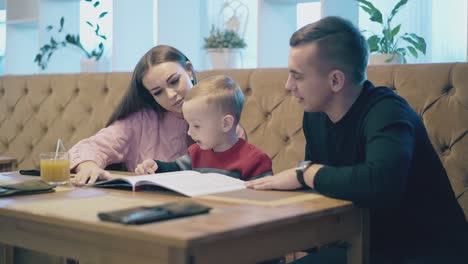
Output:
(55, 170)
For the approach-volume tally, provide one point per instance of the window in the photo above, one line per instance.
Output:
(88, 13)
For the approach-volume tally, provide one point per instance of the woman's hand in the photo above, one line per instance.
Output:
(89, 172)
(148, 166)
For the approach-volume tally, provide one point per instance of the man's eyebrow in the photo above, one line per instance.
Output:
(167, 80)
(294, 72)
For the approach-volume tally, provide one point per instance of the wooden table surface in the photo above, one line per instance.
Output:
(244, 226)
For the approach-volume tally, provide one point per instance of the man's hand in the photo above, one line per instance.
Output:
(285, 180)
(89, 172)
(148, 166)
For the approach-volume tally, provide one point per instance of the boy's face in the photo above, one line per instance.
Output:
(205, 123)
(308, 80)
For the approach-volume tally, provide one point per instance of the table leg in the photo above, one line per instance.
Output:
(358, 251)
(6, 254)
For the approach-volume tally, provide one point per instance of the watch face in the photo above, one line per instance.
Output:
(303, 164)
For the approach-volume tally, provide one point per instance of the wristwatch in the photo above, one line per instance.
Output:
(300, 168)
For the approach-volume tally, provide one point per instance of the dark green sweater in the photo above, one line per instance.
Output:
(379, 156)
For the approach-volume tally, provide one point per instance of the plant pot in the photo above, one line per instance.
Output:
(225, 58)
(376, 59)
(91, 65)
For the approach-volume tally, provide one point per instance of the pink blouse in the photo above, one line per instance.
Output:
(142, 135)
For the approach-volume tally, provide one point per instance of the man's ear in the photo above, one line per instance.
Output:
(227, 123)
(337, 80)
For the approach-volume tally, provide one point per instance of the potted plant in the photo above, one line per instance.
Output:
(73, 40)
(391, 46)
(223, 47)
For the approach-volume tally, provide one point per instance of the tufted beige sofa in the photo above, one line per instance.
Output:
(36, 110)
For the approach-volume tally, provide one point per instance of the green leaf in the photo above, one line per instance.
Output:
(38, 58)
(62, 22)
(52, 40)
(49, 28)
(373, 42)
(413, 51)
(103, 14)
(96, 4)
(411, 41)
(396, 9)
(368, 7)
(88, 0)
(103, 37)
(395, 31)
(97, 30)
(421, 42)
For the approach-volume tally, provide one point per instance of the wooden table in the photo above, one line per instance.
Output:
(244, 226)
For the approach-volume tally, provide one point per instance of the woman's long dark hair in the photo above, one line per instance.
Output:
(137, 97)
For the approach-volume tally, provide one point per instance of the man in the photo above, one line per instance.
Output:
(365, 144)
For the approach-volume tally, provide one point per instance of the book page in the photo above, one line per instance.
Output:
(191, 183)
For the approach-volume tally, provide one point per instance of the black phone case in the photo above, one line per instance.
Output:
(144, 214)
(30, 172)
(25, 187)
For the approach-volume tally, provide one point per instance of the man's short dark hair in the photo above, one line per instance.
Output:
(340, 44)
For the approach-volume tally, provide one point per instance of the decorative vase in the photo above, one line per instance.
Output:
(393, 58)
(225, 58)
(92, 65)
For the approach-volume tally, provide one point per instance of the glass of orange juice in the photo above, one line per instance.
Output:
(55, 167)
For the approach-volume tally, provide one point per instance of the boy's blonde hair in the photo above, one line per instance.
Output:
(221, 91)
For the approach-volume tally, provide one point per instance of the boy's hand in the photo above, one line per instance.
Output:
(148, 166)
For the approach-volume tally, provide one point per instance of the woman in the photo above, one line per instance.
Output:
(147, 124)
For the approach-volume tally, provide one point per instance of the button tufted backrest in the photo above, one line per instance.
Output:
(439, 94)
(36, 110)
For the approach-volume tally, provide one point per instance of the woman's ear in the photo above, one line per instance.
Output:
(227, 123)
(189, 69)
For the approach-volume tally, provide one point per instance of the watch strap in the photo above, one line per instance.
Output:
(300, 178)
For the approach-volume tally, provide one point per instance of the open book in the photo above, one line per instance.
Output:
(189, 183)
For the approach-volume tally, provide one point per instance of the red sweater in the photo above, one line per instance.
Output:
(243, 161)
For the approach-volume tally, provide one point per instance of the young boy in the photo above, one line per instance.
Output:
(212, 108)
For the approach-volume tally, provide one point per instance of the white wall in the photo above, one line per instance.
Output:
(179, 26)
(64, 60)
(181, 23)
(347, 9)
(277, 22)
(19, 53)
(133, 31)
